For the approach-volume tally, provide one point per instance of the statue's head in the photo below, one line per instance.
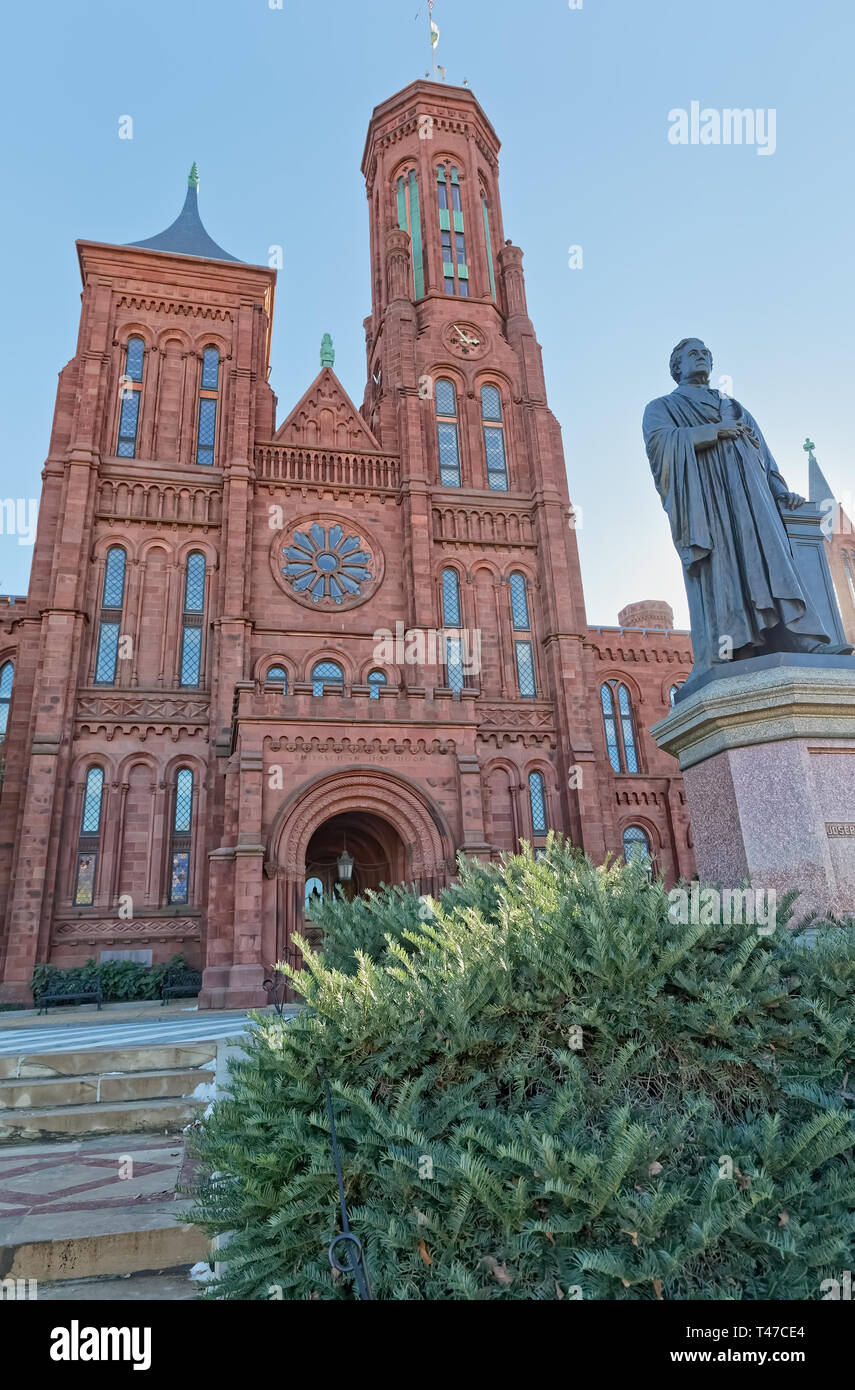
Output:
(690, 359)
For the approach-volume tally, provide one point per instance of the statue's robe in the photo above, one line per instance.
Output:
(741, 579)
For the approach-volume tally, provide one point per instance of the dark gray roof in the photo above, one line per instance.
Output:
(187, 236)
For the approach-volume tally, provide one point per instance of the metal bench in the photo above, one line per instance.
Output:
(180, 984)
(59, 991)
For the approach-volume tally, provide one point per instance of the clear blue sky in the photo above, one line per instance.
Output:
(752, 253)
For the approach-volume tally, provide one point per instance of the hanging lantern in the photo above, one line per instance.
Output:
(345, 867)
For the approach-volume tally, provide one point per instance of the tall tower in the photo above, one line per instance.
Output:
(456, 388)
(132, 637)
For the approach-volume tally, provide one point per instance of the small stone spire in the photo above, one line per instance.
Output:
(327, 351)
(818, 488)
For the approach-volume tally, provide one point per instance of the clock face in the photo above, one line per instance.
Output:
(465, 339)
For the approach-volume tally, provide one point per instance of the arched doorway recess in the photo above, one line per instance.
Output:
(398, 836)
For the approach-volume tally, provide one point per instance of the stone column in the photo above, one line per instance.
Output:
(767, 753)
(247, 971)
(474, 841)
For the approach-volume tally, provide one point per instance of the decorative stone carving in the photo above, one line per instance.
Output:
(327, 562)
(166, 708)
(119, 929)
(512, 717)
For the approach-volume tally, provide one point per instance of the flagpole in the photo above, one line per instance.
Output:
(430, 32)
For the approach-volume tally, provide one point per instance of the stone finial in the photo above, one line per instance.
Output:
(327, 351)
(511, 262)
(193, 177)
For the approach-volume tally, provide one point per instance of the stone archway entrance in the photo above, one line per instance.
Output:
(374, 845)
(393, 832)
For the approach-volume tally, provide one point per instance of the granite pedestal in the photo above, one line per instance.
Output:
(767, 752)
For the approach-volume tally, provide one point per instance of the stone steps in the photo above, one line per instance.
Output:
(68, 1209)
(26, 1126)
(104, 1243)
(104, 1061)
(103, 1091)
(95, 1089)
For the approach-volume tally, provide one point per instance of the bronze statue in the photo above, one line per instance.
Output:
(724, 497)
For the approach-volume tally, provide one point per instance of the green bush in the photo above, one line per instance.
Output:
(120, 979)
(550, 1091)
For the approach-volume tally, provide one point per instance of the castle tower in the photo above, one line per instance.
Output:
(132, 636)
(456, 387)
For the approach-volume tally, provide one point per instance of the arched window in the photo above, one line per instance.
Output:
(672, 693)
(326, 673)
(110, 625)
(519, 603)
(455, 271)
(627, 729)
(612, 744)
(182, 835)
(89, 839)
(277, 675)
(448, 439)
(130, 392)
(7, 675)
(451, 599)
(192, 620)
(620, 729)
(314, 895)
(488, 242)
(452, 618)
(494, 438)
(209, 388)
(523, 651)
(537, 801)
(410, 220)
(636, 847)
(375, 680)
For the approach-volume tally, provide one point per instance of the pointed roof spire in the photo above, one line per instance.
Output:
(187, 236)
(818, 488)
(327, 351)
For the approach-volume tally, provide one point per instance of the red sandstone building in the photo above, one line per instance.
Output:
(251, 648)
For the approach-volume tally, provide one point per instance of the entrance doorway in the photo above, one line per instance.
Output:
(353, 851)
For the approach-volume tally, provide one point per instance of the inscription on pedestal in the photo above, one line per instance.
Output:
(840, 829)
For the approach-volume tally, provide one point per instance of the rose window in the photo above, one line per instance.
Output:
(324, 563)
